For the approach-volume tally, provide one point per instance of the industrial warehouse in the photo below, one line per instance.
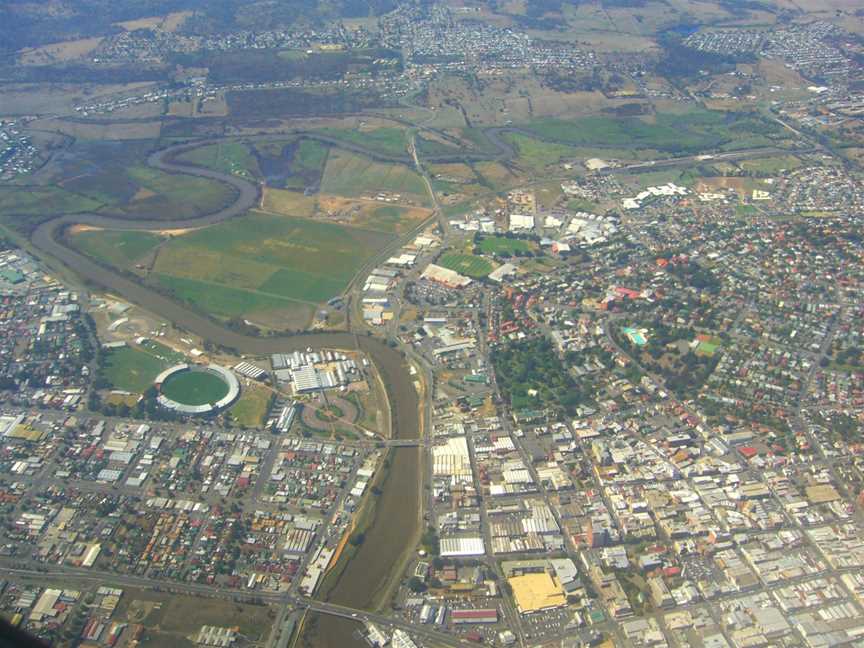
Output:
(315, 370)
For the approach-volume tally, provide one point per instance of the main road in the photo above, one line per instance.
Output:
(84, 577)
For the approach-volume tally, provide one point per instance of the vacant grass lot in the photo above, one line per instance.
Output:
(347, 174)
(770, 165)
(180, 616)
(131, 369)
(467, 264)
(497, 176)
(164, 353)
(391, 219)
(251, 409)
(536, 154)
(290, 203)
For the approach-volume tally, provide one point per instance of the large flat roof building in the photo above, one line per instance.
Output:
(536, 592)
(306, 379)
(445, 276)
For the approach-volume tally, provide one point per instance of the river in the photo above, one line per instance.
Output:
(396, 519)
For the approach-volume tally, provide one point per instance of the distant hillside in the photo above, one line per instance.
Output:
(28, 24)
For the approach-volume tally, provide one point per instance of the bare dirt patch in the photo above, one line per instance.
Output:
(77, 229)
(142, 194)
(169, 22)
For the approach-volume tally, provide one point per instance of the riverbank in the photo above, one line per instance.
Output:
(395, 521)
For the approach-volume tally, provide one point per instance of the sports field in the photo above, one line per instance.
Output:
(194, 387)
(263, 262)
(708, 345)
(131, 369)
(499, 244)
(467, 264)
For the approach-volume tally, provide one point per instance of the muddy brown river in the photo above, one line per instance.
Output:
(396, 519)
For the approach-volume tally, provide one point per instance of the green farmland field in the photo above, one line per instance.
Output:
(221, 300)
(228, 157)
(311, 155)
(350, 175)
(23, 208)
(693, 131)
(120, 249)
(263, 262)
(142, 192)
(389, 141)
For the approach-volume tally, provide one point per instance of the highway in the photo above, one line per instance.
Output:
(75, 575)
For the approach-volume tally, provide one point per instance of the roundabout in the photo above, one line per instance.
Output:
(337, 410)
(196, 389)
(329, 413)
